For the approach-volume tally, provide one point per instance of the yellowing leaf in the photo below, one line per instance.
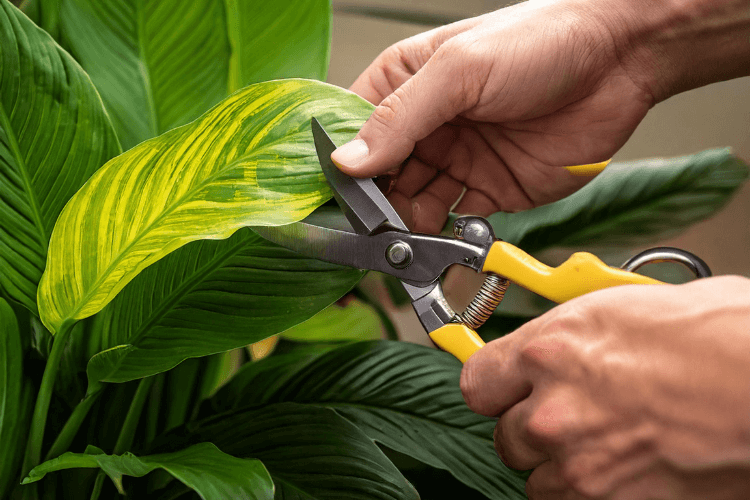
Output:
(248, 161)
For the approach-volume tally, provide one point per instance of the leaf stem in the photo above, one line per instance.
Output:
(69, 431)
(97, 486)
(127, 433)
(39, 418)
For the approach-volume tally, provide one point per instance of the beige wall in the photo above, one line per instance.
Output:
(717, 115)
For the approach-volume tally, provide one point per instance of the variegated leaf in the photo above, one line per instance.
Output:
(248, 161)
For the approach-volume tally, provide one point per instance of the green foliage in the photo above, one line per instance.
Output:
(208, 297)
(402, 395)
(150, 270)
(355, 321)
(159, 65)
(54, 133)
(248, 161)
(14, 398)
(311, 453)
(203, 467)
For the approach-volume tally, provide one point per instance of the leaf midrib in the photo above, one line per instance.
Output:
(184, 289)
(33, 202)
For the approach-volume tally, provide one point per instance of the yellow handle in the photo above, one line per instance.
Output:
(588, 169)
(457, 339)
(580, 274)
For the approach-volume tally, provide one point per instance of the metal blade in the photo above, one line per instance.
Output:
(326, 235)
(363, 204)
(322, 235)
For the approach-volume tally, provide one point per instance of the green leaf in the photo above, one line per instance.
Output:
(207, 297)
(13, 411)
(54, 133)
(355, 321)
(630, 203)
(248, 161)
(403, 395)
(159, 65)
(311, 453)
(214, 475)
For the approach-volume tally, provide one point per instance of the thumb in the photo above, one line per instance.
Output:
(430, 98)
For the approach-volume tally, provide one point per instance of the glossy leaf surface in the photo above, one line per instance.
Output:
(54, 133)
(160, 64)
(405, 396)
(207, 297)
(311, 453)
(630, 203)
(214, 475)
(248, 161)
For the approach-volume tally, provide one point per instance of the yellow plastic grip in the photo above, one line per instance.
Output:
(580, 274)
(457, 339)
(589, 169)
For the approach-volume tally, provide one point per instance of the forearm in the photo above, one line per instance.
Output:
(677, 45)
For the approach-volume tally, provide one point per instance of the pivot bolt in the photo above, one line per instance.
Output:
(398, 254)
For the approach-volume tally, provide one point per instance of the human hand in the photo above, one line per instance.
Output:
(496, 105)
(631, 392)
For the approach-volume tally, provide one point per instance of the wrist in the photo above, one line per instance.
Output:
(670, 46)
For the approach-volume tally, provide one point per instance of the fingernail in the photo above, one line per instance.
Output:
(350, 153)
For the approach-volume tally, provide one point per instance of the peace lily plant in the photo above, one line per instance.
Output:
(139, 142)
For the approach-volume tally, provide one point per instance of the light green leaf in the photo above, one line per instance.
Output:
(355, 321)
(13, 410)
(248, 161)
(54, 133)
(159, 65)
(311, 453)
(403, 395)
(203, 467)
(630, 203)
(207, 297)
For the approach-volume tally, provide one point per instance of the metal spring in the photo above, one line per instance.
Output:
(486, 300)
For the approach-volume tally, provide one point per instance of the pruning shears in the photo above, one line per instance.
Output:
(368, 234)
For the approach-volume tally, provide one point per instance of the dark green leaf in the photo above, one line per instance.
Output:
(13, 399)
(159, 65)
(402, 395)
(311, 453)
(54, 133)
(630, 203)
(203, 467)
(207, 297)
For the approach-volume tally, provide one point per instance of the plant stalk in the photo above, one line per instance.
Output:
(127, 433)
(39, 419)
(97, 486)
(69, 431)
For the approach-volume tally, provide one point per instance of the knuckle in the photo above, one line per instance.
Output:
(388, 111)
(544, 428)
(580, 480)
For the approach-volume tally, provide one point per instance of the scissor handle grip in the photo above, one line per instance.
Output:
(457, 339)
(580, 274)
(590, 169)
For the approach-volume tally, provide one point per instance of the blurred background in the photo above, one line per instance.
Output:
(714, 116)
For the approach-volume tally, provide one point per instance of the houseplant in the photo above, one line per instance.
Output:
(128, 278)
